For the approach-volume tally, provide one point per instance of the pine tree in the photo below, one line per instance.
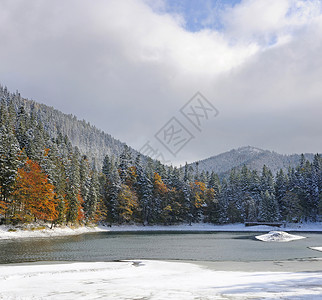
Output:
(293, 209)
(125, 163)
(90, 205)
(9, 161)
(269, 211)
(73, 189)
(250, 212)
(111, 193)
(144, 190)
(267, 180)
(106, 169)
(21, 128)
(235, 207)
(280, 192)
(85, 178)
(315, 188)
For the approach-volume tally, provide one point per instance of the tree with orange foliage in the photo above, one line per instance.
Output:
(160, 191)
(34, 197)
(198, 189)
(3, 207)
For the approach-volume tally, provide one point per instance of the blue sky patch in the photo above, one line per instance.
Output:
(199, 14)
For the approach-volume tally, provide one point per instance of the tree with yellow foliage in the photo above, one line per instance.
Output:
(127, 204)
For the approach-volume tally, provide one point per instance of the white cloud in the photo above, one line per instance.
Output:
(267, 22)
(128, 69)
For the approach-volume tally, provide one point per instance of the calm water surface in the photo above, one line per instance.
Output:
(197, 246)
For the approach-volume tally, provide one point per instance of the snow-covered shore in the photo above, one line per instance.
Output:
(9, 232)
(151, 280)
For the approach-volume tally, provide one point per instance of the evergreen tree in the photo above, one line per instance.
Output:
(9, 161)
(280, 192)
(73, 196)
(268, 207)
(144, 190)
(125, 163)
(85, 179)
(250, 212)
(111, 195)
(267, 180)
(92, 199)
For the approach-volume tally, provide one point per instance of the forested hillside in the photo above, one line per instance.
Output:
(92, 142)
(44, 177)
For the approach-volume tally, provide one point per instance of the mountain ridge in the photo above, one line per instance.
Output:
(253, 157)
(95, 143)
(91, 141)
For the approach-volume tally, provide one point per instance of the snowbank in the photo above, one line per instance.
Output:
(316, 248)
(9, 232)
(151, 280)
(278, 236)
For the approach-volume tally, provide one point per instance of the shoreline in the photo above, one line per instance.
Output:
(11, 232)
(142, 279)
(312, 264)
(206, 227)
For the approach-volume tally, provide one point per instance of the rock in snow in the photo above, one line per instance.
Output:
(278, 236)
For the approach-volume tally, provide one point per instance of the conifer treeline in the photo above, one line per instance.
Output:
(45, 178)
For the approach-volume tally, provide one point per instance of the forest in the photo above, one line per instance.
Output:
(44, 178)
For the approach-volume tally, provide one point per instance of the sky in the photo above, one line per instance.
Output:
(183, 79)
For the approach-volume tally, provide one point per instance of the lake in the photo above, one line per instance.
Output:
(212, 247)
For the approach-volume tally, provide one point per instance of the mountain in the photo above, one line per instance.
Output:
(43, 177)
(95, 143)
(254, 158)
(92, 142)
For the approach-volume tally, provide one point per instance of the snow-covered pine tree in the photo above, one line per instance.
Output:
(144, 189)
(111, 194)
(73, 188)
(85, 178)
(269, 211)
(92, 198)
(267, 180)
(281, 185)
(125, 163)
(9, 160)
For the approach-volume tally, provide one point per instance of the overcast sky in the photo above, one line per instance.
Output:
(129, 66)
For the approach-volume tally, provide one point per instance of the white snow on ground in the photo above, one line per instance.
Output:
(278, 236)
(7, 233)
(151, 280)
(64, 231)
(316, 248)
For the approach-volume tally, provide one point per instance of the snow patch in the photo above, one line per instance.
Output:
(151, 280)
(316, 248)
(278, 236)
(9, 232)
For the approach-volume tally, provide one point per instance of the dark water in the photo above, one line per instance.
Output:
(197, 246)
